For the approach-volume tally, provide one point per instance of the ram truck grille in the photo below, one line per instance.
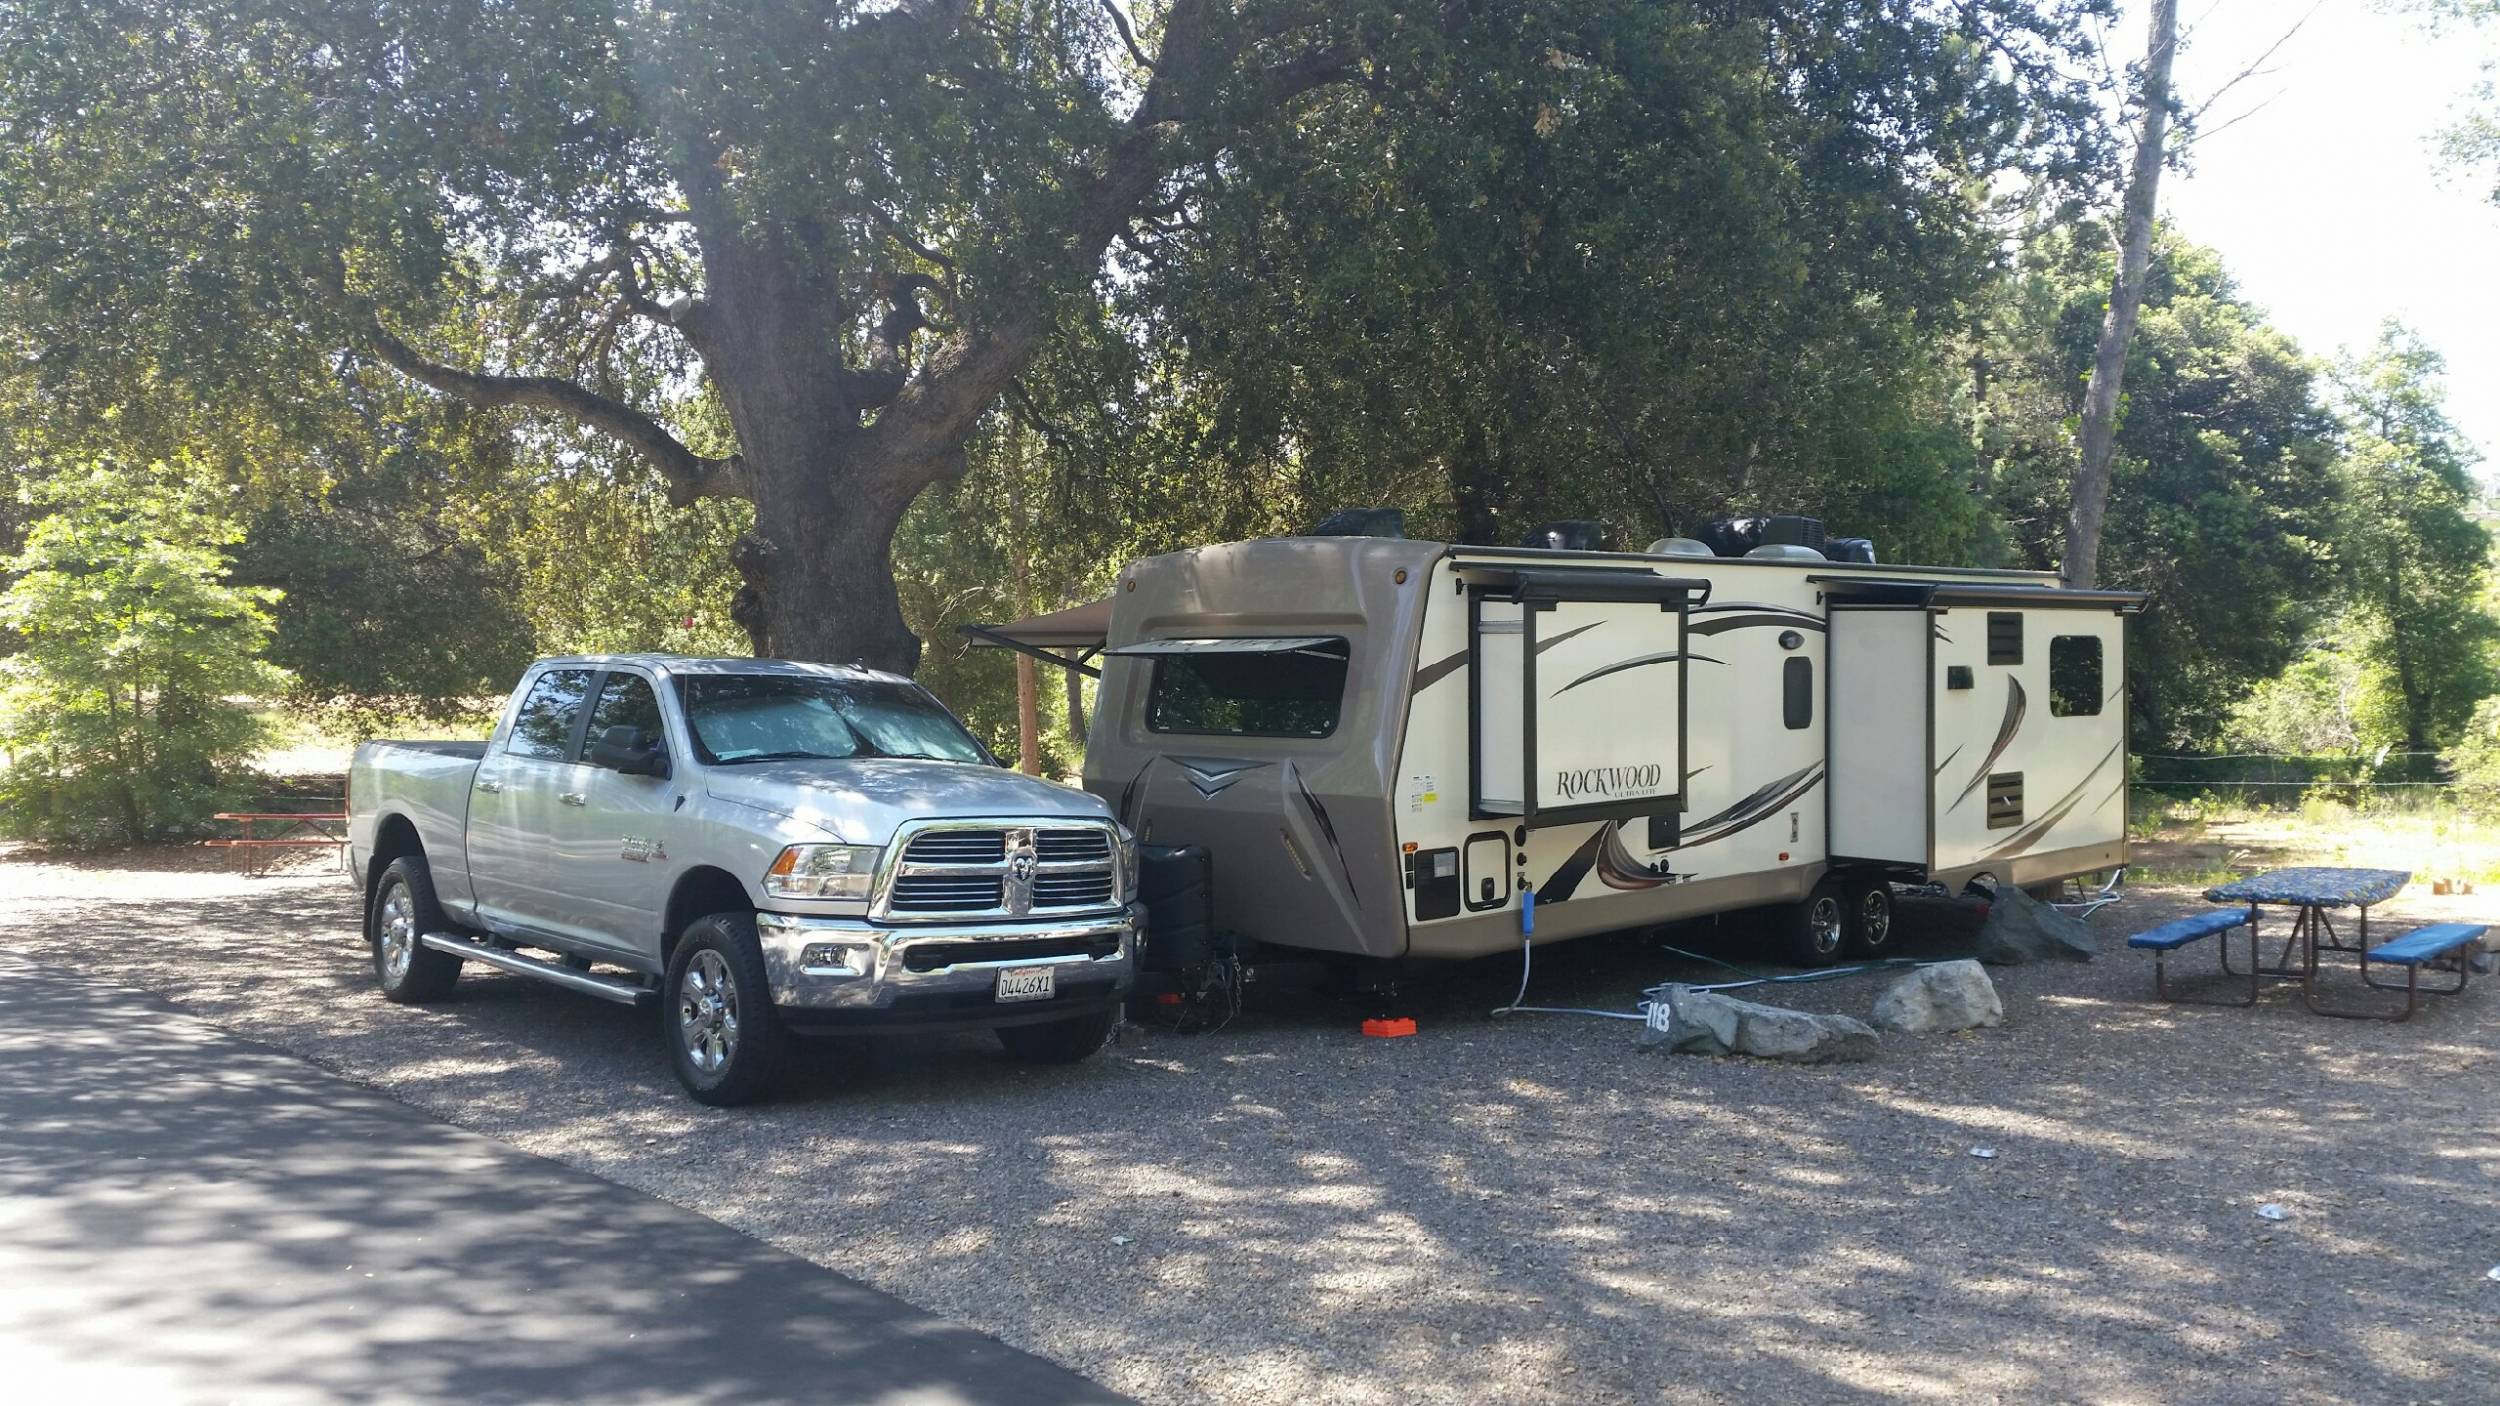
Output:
(987, 870)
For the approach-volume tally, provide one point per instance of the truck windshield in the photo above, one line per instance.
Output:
(739, 718)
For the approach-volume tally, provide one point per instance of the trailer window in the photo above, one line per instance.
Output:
(1797, 694)
(2075, 676)
(544, 726)
(1292, 693)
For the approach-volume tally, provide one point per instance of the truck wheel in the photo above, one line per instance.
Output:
(1058, 1041)
(1814, 929)
(404, 911)
(1870, 918)
(724, 1038)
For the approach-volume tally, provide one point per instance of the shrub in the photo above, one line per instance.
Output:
(2475, 759)
(125, 711)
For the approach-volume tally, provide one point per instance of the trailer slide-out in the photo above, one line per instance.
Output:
(1395, 748)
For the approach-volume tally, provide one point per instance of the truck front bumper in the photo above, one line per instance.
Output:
(843, 971)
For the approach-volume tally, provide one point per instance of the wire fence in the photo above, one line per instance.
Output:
(2289, 771)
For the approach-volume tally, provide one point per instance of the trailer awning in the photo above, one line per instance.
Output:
(1079, 631)
(1247, 644)
(1943, 595)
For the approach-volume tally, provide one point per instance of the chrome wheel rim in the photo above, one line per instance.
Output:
(707, 1012)
(1875, 918)
(398, 935)
(1824, 920)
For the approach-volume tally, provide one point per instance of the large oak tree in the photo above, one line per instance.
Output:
(788, 251)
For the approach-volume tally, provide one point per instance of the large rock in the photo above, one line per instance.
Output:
(1944, 997)
(1706, 1022)
(2022, 929)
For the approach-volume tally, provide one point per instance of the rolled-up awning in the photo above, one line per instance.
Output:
(1080, 630)
(1237, 644)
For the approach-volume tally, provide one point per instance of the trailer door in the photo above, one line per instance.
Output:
(1578, 703)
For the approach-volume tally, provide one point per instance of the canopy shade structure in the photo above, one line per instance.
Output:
(1079, 630)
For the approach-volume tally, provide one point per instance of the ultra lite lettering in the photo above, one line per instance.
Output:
(1601, 781)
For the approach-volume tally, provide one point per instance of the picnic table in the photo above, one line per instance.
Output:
(2313, 890)
(266, 831)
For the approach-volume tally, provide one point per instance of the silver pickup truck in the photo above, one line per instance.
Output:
(761, 848)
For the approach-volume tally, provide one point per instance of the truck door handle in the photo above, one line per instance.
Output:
(574, 798)
(489, 787)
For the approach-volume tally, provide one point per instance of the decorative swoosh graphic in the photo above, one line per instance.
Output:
(1128, 793)
(1643, 661)
(2016, 703)
(1948, 760)
(1786, 620)
(1440, 669)
(1436, 671)
(2038, 830)
(1751, 812)
(1548, 643)
(1327, 830)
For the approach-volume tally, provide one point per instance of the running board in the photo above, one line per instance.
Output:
(606, 988)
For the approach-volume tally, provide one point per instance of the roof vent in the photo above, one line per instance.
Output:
(1854, 549)
(1679, 547)
(1734, 537)
(1571, 535)
(1784, 551)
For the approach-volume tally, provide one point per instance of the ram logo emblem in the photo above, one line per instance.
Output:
(1023, 864)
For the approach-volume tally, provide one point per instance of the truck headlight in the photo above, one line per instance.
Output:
(823, 871)
(1129, 877)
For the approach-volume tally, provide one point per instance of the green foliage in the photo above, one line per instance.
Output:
(2222, 488)
(122, 711)
(2410, 561)
(2475, 756)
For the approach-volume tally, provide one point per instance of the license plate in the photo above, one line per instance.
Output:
(1028, 983)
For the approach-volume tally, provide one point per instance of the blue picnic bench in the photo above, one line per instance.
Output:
(2440, 945)
(2196, 927)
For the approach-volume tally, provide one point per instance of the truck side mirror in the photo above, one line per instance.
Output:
(629, 750)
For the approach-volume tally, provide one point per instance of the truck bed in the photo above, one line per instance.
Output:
(473, 751)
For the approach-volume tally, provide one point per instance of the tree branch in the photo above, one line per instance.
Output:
(690, 476)
(1128, 33)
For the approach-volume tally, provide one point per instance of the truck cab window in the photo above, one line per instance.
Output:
(740, 718)
(544, 726)
(1292, 693)
(626, 700)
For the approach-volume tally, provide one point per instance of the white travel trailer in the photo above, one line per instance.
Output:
(1402, 749)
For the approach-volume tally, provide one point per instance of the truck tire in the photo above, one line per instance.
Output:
(404, 911)
(1813, 930)
(1058, 1041)
(1870, 919)
(724, 1039)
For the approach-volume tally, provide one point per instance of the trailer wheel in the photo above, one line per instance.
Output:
(1814, 929)
(1870, 918)
(404, 911)
(724, 1039)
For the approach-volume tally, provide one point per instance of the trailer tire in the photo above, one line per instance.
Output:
(1814, 930)
(1058, 1041)
(404, 911)
(1870, 919)
(725, 1041)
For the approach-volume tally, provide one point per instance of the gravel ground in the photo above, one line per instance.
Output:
(1522, 1211)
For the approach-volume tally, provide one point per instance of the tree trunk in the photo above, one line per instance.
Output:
(1028, 717)
(1076, 705)
(2126, 296)
(818, 564)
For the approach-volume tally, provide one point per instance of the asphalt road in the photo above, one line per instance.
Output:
(187, 1216)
